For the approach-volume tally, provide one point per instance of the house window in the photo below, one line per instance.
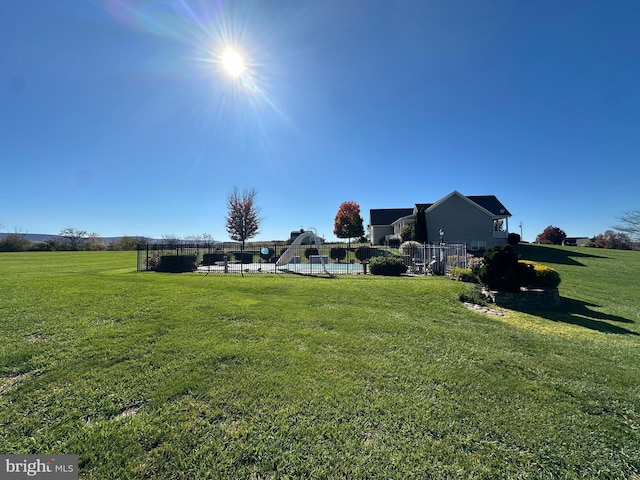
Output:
(478, 245)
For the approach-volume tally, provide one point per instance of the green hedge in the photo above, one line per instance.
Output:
(176, 263)
(387, 266)
(243, 257)
(211, 258)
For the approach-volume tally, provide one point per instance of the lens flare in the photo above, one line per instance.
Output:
(233, 63)
(224, 72)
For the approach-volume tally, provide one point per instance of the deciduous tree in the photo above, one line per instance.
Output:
(170, 240)
(242, 217)
(552, 235)
(611, 239)
(630, 224)
(95, 242)
(348, 222)
(14, 242)
(74, 237)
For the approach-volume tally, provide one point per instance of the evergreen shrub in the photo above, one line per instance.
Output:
(211, 258)
(310, 251)
(338, 253)
(243, 257)
(513, 239)
(176, 263)
(364, 253)
(387, 266)
(500, 270)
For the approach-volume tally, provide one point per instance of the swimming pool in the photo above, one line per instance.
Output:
(298, 268)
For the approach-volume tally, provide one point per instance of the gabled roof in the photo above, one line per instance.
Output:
(490, 203)
(487, 203)
(386, 216)
(421, 206)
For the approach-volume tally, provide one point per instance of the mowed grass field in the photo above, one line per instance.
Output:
(147, 375)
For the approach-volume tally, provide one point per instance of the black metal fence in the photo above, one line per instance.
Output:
(231, 258)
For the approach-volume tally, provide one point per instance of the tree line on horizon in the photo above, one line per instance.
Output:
(624, 236)
(243, 223)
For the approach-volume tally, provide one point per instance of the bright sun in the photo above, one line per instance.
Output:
(233, 63)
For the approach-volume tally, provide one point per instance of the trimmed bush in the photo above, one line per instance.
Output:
(311, 251)
(513, 239)
(387, 266)
(364, 253)
(211, 258)
(176, 263)
(541, 276)
(243, 257)
(338, 253)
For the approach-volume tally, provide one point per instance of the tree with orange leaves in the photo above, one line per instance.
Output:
(348, 222)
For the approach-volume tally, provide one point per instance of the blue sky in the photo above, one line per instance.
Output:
(117, 116)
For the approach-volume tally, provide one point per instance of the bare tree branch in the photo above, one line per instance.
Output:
(242, 218)
(630, 224)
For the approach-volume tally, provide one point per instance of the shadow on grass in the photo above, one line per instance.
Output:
(540, 253)
(283, 273)
(576, 312)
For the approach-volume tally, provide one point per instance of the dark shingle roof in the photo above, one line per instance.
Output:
(386, 216)
(491, 203)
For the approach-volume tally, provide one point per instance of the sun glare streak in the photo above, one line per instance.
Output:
(225, 69)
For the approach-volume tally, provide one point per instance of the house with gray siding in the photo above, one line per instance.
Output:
(479, 221)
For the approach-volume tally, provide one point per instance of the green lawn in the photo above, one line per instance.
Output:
(147, 375)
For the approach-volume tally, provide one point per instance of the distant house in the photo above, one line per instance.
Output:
(576, 241)
(479, 221)
(295, 234)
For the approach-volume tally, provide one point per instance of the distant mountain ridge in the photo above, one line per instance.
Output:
(41, 237)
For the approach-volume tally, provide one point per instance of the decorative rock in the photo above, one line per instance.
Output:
(526, 299)
(483, 309)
